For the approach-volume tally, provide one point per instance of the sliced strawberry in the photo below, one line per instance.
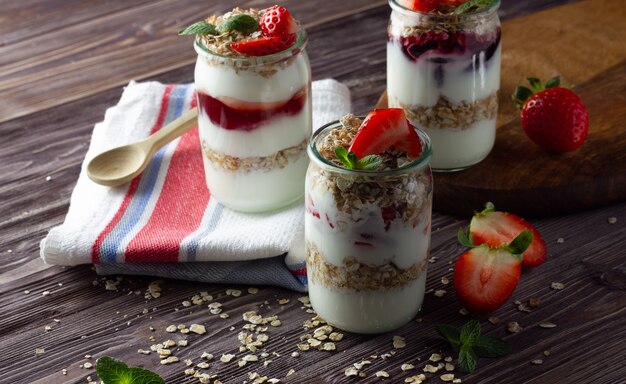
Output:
(383, 129)
(277, 21)
(495, 228)
(263, 45)
(421, 5)
(485, 277)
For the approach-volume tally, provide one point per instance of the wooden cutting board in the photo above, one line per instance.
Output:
(584, 43)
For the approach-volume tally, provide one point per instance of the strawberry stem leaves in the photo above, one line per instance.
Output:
(521, 94)
(351, 161)
(553, 82)
(519, 245)
(470, 344)
(465, 237)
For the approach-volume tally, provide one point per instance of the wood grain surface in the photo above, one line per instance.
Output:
(56, 83)
(519, 176)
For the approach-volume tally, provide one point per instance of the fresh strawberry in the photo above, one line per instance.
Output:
(485, 277)
(277, 21)
(553, 117)
(383, 129)
(495, 228)
(263, 45)
(421, 5)
(432, 5)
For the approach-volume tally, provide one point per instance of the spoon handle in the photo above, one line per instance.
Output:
(174, 129)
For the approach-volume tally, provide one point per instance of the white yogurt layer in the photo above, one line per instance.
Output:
(368, 312)
(460, 148)
(257, 191)
(417, 82)
(334, 234)
(246, 85)
(272, 136)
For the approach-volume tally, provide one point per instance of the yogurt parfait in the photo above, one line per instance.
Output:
(367, 222)
(443, 69)
(253, 83)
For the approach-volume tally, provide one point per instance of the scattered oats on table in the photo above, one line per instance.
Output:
(557, 286)
(435, 357)
(547, 324)
(440, 292)
(447, 377)
(430, 368)
(537, 362)
(381, 374)
(612, 220)
(407, 366)
(514, 327)
(399, 342)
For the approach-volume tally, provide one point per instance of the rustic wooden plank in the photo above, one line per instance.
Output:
(136, 43)
(21, 20)
(589, 261)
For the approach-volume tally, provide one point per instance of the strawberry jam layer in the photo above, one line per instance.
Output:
(233, 114)
(444, 43)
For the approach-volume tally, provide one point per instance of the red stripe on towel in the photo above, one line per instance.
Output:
(178, 211)
(95, 250)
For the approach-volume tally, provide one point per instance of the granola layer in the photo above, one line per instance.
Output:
(407, 193)
(277, 160)
(446, 114)
(355, 276)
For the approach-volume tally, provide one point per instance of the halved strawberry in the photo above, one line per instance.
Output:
(485, 277)
(277, 21)
(495, 228)
(383, 129)
(263, 45)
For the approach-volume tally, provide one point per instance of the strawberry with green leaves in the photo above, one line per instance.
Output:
(495, 228)
(553, 117)
(485, 276)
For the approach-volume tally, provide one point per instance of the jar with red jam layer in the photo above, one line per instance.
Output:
(443, 69)
(254, 121)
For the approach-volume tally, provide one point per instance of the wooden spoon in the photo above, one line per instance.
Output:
(120, 165)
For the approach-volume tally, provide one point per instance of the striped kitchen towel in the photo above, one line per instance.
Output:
(165, 223)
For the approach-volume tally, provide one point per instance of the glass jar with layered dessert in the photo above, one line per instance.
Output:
(443, 69)
(367, 221)
(253, 83)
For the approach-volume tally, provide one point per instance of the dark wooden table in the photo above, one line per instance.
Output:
(62, 63)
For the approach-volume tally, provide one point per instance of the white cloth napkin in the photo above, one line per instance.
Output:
(166, 215)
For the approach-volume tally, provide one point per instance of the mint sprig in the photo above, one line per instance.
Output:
(472, 6)
(240, 23)
(199, 28)
(470, 344)
(113, 371)
(351, 161)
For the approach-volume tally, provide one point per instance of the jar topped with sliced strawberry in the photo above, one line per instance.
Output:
(383, 140)
(248, 32)
(368, 201)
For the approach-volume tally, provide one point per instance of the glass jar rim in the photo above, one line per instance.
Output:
(395, 5)
(321, 161)
(293, 50)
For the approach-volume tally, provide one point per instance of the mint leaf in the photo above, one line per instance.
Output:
(472, 6)
(351, 161)
(467, 359)
(451, 334)
(344, 156)
(240, 23)
(113, 371)
(487, 346)
(199, 28)
(470, 332)
(465, 237)
(370, 162)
